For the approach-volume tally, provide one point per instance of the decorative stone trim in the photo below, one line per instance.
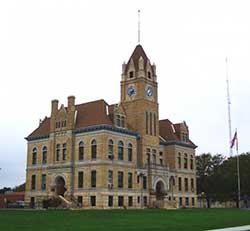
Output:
(167, 143)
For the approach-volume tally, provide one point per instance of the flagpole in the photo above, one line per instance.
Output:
(229, 110)
(238, 170)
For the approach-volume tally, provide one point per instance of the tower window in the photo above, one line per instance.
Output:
(146, 122)
(149, 75)
(148, 155)
(131, 74)
(154, 124)
(150, 123)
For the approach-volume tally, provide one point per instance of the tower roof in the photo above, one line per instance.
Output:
(137, 53)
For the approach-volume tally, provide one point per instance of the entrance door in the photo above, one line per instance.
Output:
(60, 186)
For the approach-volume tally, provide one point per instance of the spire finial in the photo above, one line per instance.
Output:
(139, 32)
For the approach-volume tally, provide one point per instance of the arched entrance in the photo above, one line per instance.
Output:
(60, 186)
(160, 191)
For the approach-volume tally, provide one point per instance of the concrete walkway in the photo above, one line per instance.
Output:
(238, 228)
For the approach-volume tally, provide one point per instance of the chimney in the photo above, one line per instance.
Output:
(54, 107)
(71, 103)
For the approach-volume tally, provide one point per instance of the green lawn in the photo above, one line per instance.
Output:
(132, 220)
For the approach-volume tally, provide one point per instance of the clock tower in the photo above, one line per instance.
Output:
(139, 99)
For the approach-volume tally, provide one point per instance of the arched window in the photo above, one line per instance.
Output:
(34, 155)
(179, 160)
(149, 75)
(185, 161)
(191, 162)
(81, 151)
(111, 150)
(154, 124)
(120, 150)
(93, 149)
(130, 152)
(146, 122)
(45, 154)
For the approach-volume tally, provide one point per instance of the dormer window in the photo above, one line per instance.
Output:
(118, 120)
(149, 75)
(131, 74)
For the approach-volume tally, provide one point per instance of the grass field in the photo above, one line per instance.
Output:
(121, 220)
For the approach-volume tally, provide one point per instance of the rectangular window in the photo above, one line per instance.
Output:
(186, 184)
(120, 179)
(120, 201)
(122, 122)
(80, 179)
(57, 152)
(93, 178)
(146, 122)
(150, 123)
(144, 182)
(187, 201)
(192, 184)
(64, 151)
(43, 182)
(93, 201)
(179, 183)
(110, 179)
(130, 180)
(110, 201)
(192, 201)
(32, 202)
(33, 182)
(180, 201)
(145, 201)
(138, 179)
(138, 200)
(118, 120)
(130, 201)
(79, 201)
(161, 162)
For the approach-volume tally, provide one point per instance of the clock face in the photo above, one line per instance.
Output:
(149, 91)
(131, 91)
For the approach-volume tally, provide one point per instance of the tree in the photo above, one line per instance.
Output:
(206, 167)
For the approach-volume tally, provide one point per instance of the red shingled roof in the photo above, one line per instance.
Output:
(168, 131)
(137, 53)
(92, 113)
(88, 114)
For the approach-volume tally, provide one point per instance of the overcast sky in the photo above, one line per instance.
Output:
(50, 49)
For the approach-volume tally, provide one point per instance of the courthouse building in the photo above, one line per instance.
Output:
(96, 155)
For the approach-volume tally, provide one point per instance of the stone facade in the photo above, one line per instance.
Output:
(113, 156)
